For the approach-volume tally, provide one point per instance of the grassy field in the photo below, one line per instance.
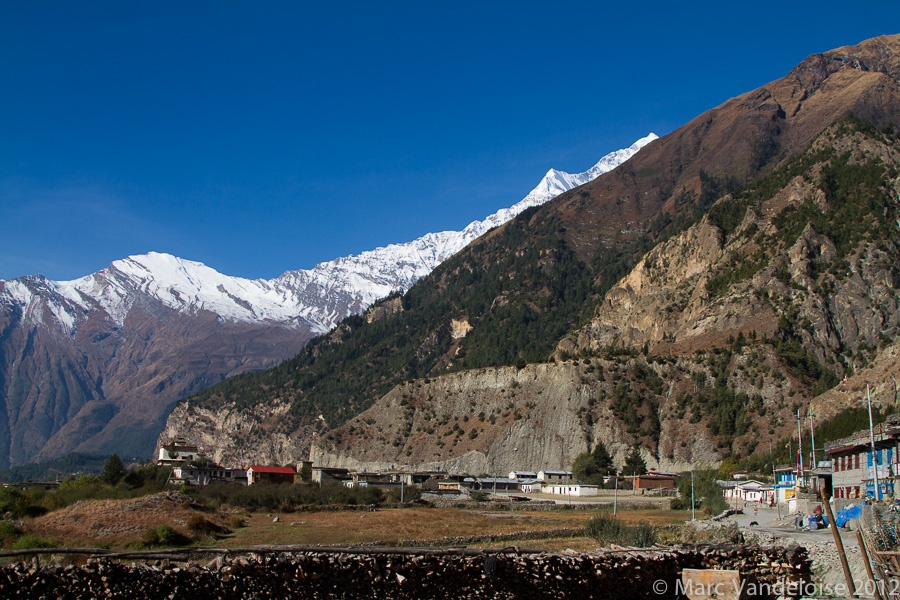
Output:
(393, 526)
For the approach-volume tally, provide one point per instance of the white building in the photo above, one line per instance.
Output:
(531, 486)
(749, 490)
(572, 489)
(176, 453)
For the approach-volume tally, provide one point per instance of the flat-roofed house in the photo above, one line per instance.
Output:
(262, 473)
(555, 476)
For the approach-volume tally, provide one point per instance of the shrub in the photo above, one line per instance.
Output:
(236, 522)
(198, 525)
(607, 529)
(163, 535)
(29, 541)
(72, 482)
(8, 530)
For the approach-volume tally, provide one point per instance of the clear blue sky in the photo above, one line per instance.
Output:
(261, 137)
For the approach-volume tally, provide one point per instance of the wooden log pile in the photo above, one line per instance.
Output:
(404, 574)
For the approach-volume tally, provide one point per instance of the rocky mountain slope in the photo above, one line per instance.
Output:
(95, 364)
(524, 292)
(707, 346)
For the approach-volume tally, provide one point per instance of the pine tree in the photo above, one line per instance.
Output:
(634, 462)
(602, 459)
(114, 470)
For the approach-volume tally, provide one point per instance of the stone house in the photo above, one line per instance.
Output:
(555, 476)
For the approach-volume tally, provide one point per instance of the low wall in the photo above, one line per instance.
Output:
(406, 574)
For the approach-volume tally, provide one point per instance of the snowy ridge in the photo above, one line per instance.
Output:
(317, 298)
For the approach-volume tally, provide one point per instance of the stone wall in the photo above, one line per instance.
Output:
(407, 574)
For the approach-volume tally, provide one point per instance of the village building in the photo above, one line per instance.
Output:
(531, 486)
(496, 484)
(463, 485)
(522, 475)
(555, 476)
(262, 473)
(785, 483)
(571, 489)
(821, 478)
(748, 490)
(651, 481)
(178, 452)
(322, 475)
(853, 465)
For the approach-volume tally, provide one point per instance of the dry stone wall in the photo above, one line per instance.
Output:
(409, 574)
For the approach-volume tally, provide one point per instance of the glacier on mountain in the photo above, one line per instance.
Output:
(317, 298)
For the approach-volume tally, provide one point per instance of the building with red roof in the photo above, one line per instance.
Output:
(260, 473)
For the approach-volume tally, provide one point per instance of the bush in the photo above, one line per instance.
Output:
(236, 522)
(30, 541)
(71, 482)
(411, 493)
(607, 529)
(8, 530)
(199, 526)
(679, 503)
(163, 535)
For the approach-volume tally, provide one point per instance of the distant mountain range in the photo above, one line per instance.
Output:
(95, 364)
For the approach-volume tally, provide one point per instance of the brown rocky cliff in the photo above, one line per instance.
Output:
(666, 304)
(744, 137)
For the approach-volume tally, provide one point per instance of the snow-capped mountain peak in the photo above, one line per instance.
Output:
(317, 298)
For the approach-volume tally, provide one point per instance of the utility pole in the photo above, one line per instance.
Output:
(775, 490)
(799, 451)
(692, 496)
(812, 434)
(616, 494)
(874, 451)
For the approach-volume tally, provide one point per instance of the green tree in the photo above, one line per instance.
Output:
(634, 462)
(603, 459)
(114, 470)
(585, 469)
(727, 468)
(706, 491)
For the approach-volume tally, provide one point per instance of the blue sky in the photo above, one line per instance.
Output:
(262, 137)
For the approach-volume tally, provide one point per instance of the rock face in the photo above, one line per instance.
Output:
(740, 318)
(503, 419)
(703, 285)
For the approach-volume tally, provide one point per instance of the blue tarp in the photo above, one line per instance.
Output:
(851, 512)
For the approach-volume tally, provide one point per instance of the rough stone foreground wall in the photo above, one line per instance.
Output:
(422, 575)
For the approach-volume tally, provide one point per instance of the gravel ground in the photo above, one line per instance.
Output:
(826, 566)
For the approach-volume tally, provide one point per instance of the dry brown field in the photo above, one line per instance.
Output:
(112, 523)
